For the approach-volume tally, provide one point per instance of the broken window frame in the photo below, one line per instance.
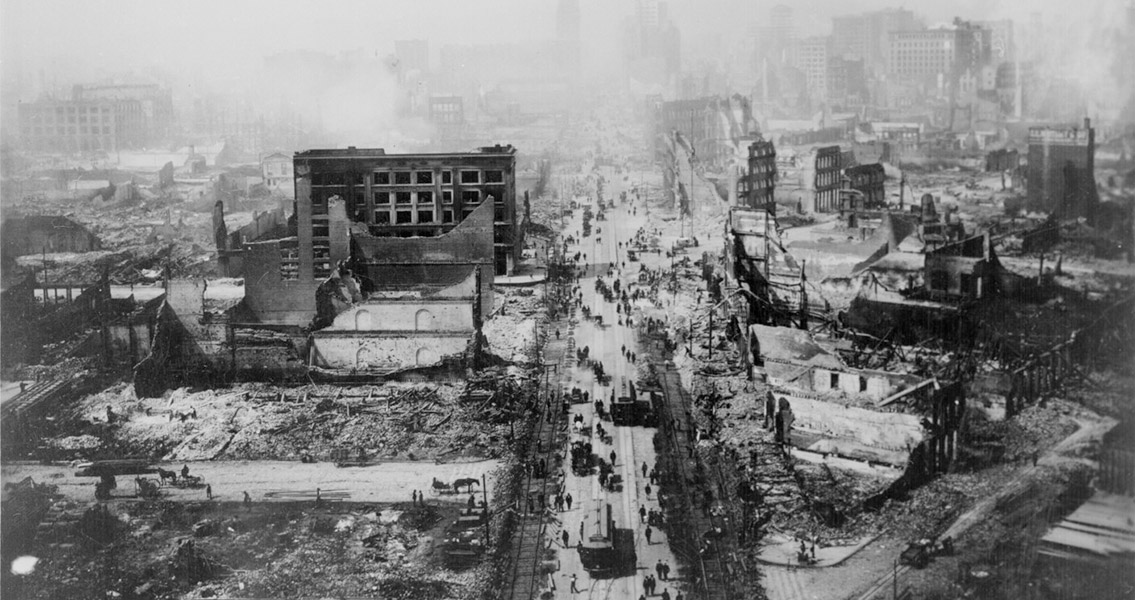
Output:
(425, 198)
(471, 197)
(447, 196)
(494, 176)
(470, 177)
(381, 178)
(403, 217)
(424, 177)
(382, 217)
(403, 198)
(425, 215)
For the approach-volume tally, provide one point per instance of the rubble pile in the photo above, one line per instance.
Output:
(257, 421)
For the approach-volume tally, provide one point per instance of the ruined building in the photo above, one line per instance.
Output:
(1061, 167)
(403, 195)
(755, 190)
(715, 127)
(868, 181)
(49, 125)
(821, 179)
(42, 233)
(419, 225)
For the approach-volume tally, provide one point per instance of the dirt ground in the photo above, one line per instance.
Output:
(266, 550)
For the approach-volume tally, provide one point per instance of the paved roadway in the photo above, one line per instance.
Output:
(632, 445)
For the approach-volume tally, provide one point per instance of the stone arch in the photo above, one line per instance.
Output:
(424, 357)
(360, 359)
(362, 320)
(423, 320)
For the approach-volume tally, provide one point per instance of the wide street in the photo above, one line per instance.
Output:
(632, 446)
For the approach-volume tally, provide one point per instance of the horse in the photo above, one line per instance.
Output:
(170, 475)
(468, 481)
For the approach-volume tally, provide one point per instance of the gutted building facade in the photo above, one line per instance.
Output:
(755, 190)
(869, 181)
(402, 195)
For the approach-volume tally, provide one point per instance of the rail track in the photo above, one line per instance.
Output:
(525, 556)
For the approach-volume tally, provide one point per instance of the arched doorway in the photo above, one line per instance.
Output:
(425, 357)
(360, 359)
(362, 321)
(423, 320)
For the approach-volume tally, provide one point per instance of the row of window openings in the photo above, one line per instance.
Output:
(468, 197)
(406, 217)
(66, 130)
(406, 178)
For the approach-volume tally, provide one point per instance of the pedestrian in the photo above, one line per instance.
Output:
(574, 589)
(184, 471)
(247, 501)
(564, 536)
(646, 584)
(644, 469)
(568, 499)
(642, 513)
(612, 458)
(581, 531)
(318, 497)
(649, 532)
(472, 501)
(678, 595)
(658, 568)
(648, 490)
(665, 594)
(209, 491)
(414, 497)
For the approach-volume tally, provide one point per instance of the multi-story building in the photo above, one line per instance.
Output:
(869, 180)
(447, 114)
(755, 190)
(866, 35)
(276, 169)
(402, 195)
(1001, 44)
(812, 59)
(651, 43)
(68, 126)
(1061, 166)
(712, 125)
(925, 54)
(825, 168)
(846, 79)
(941, 55)
(143, 113)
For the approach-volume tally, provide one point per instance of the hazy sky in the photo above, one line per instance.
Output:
(223, 36)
